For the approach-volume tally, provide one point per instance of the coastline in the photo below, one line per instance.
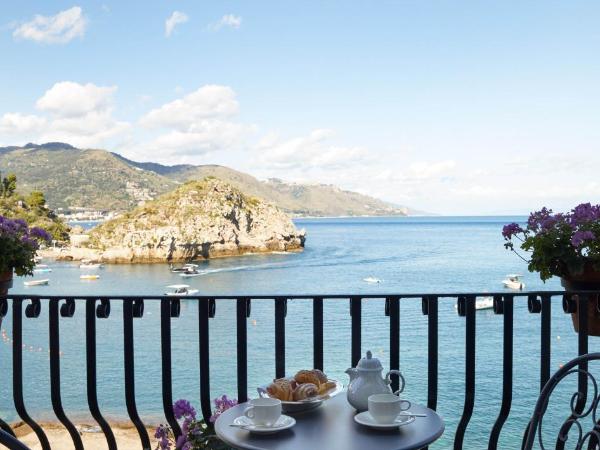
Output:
(80, 254)
(93, 438)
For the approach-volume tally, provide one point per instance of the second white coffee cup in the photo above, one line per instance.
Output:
(385, 408)
(264, 411)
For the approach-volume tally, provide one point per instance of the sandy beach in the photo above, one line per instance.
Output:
(92, 437)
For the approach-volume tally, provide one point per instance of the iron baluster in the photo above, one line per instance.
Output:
(132, 308)
(468, 307)
(504, 306)
(54, 340)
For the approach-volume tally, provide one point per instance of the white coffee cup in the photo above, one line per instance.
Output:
(264, 411)
(385, 408)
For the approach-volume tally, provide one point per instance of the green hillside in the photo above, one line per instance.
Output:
(87, 178)
(297, 199)
(98, 179)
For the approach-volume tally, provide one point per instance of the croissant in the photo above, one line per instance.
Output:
(305, 391)
(307, 376)
(320, 375)
(324, 387)
(281, 389)
(289, 381)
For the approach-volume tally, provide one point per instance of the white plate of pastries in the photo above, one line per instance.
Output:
(305, 390)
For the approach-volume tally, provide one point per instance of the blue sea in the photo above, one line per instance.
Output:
(408, 255)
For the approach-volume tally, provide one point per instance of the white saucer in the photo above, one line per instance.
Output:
(364, 418)
(283, 423)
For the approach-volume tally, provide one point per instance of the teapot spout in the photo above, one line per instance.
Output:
(352, 373)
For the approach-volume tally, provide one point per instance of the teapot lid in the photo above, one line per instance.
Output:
(369, 363)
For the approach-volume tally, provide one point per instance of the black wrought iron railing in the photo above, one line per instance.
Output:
(24, 308)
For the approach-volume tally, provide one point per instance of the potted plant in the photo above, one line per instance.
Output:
(18, 246)
(566, 246)
(196, 434)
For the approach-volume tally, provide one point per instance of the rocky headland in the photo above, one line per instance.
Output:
(199, 220)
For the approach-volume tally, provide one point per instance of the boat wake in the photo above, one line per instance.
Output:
(372, 280)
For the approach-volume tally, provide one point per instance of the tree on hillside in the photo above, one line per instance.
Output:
(36, 200)
(8, 185)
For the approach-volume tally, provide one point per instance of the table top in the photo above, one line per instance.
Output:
(332, 427)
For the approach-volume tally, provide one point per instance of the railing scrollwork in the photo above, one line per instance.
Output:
(578, 418)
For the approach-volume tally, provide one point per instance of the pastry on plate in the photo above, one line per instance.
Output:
(305, 390)
(325, 387)
(281, 389)
(307, 376)
(320, 375)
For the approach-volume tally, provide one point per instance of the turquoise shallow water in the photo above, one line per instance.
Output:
(409, 254)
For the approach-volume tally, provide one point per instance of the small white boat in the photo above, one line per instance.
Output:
(38, 259)
(42, 268)
(86, 264)
(183, 269)
(513, 281)
(89, 277)
(372, 280)
(36, 282)
(180, 290)
(482, 303)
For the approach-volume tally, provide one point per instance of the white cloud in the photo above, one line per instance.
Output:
(307, 152)
(205, 137)
(69, 99)
(173, 20)
(198, 123)
(58, 29)
(228, 20)
(424, 170)
(21, 124)
(210, 101)
(80, 114)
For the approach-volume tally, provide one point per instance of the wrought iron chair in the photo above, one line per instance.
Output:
(583, 409)
(11, 442)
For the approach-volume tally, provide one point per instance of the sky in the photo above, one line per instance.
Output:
(452, 107)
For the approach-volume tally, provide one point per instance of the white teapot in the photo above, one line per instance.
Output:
(366, 380)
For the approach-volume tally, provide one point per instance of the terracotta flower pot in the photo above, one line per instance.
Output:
(589, 280)
(5, 282)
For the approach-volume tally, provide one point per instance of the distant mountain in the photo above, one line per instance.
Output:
(70, 177)
(297, 199)
(98, 179)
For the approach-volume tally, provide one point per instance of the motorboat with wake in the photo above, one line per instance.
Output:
(180, 290)
(183, 269)
(513, 281)
(372, 280)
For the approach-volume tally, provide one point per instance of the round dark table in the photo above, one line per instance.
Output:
(332, 427)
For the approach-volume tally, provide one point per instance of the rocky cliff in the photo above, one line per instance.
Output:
(201, 219)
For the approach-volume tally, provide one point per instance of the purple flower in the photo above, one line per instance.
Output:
(181, 441)
(40, 233)
(510, 230)
(222, 404)
(20, 223)
(579, 237)
(183, 409)
(162, 434)
(585, 213)
(537, 217)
